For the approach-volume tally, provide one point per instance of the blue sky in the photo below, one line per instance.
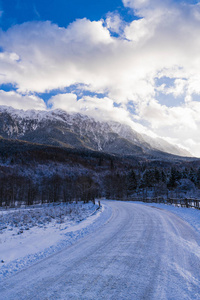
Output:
(61, 12)
(133, 61)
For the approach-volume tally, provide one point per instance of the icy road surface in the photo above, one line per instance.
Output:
(140, 253)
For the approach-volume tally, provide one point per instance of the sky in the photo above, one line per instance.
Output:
(132, 61)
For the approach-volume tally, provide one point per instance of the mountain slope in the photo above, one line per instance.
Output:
(59, 128)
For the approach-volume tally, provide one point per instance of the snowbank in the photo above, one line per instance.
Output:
(190, 215)
(28, 235)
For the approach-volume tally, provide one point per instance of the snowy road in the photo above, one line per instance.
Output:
(140, 253)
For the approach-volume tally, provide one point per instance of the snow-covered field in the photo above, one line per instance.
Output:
(28, 235)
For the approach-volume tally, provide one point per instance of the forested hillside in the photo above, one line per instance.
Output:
(33, 173)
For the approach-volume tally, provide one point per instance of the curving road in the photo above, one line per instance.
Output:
(140, 253)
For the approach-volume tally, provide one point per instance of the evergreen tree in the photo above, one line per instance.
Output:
(163, 177)
(157, 175)
(185, 173)
(149, 178)
(172, 179)
(198, 178)
(131, 183)
(192, 176)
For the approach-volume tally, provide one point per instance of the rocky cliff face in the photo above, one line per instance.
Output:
(60, 128)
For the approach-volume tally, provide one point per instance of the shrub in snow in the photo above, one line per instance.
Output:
(25, 219)
(185, 186)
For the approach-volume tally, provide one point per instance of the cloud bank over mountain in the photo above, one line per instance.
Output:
(145, 72)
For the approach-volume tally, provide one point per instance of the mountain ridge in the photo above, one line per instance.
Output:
(75, 130)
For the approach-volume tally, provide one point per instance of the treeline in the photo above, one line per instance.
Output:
(18, 190)
(153, 182)
(32, 173)
(111, 184)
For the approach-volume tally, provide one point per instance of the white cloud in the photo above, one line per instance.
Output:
(193, 146)
(103, 109)
(51, 57)
(160, 116)
(138, 31)
(19, 101)
(114, 22)
(179, 88)
(137, 4)
(66, 102)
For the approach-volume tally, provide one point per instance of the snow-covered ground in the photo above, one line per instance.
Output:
(30, 234)
(190, 215)
(141, 252)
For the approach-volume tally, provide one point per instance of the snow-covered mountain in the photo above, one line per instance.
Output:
(59, 128)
